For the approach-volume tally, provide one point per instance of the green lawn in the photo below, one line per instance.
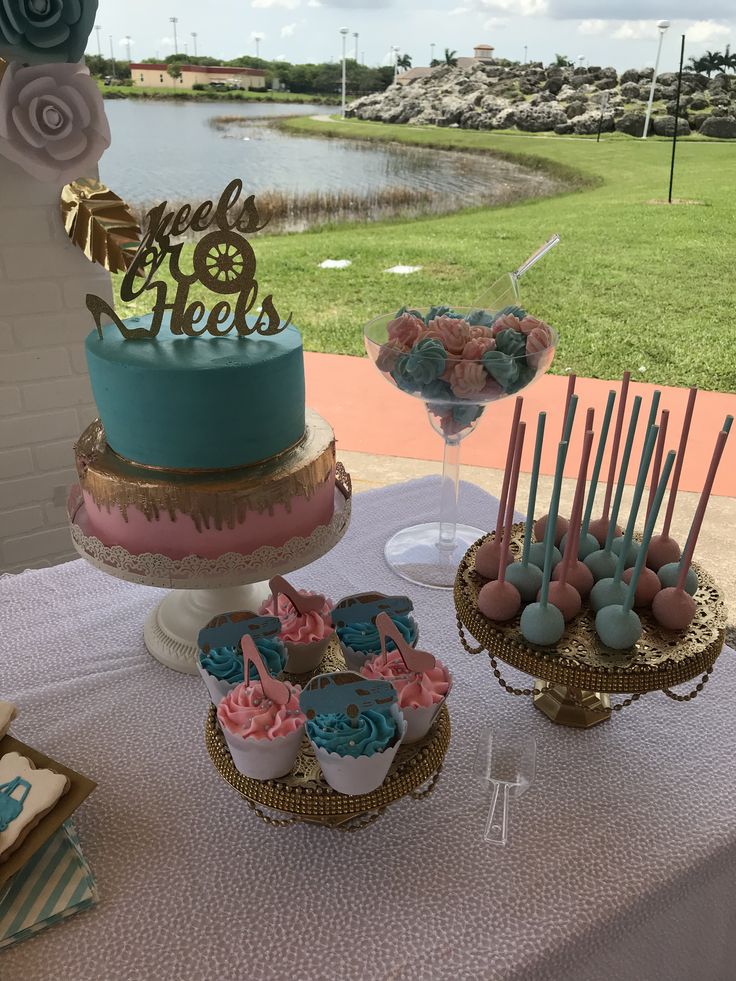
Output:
(179, 94)
(633, 285)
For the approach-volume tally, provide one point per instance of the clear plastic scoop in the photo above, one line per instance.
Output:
(505, 291)
(506, 765)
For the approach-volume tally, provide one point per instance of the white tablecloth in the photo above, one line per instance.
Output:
(622, 860)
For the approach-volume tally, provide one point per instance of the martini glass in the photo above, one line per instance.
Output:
(429, 553)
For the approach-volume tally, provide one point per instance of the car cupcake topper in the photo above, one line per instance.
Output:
(347, 693)
(416, 661)
(227, 630)
(365, 607)
(301, 603)
(272, 689)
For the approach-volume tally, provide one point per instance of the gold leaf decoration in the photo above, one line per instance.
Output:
(100, 224)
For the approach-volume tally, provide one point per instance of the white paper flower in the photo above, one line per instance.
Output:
(52, 121)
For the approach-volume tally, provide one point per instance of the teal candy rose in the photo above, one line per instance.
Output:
(38, 32)
(363, 637)
(226, 663)
(370, 732)
(426, 361)
(438, 391)
(401, 376)
(480, 318)
(464, 415)
(511, 342)
(501, 367)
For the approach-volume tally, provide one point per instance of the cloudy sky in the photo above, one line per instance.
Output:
(622, 33)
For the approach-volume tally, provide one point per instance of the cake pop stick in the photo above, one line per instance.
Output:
(498, 599)
(611, 592)
(571, 379)
(603, 563)
(664, 549)
(618, 626)
(589, 543)
(563, 591)
(540, 526)
(599, 527)
(661, 440)
(673, 607)
(526, 577)
(487, 559)
(632, 549)
(542, 623)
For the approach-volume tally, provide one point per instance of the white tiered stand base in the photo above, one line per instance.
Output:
(202, 588)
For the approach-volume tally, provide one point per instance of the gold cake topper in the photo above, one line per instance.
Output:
(223, 262)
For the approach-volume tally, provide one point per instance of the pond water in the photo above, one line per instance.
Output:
(170, 150)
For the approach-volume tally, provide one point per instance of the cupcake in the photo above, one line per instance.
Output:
(355, 624)
(421, 693)
(220, 661)
(355, 728)
(306, 624)
(262, 722)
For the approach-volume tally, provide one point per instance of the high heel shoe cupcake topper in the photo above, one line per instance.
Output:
(301, 603)
(416, 661)
(275, 691)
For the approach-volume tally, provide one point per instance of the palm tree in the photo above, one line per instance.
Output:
(404, 62)
(562, 61)
(450, 57)
(729, 60)
(713, 62)
(698, 65)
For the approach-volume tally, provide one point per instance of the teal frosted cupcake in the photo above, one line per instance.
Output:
(354, 618)
(220, 658)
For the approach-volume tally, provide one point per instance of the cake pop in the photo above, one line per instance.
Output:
(564, 591)
(589, 543)
(664, 549)
(618, 626)
(603, 563)
(632, 549)
(673, 607)
(599, 528)
(612, 592)
(537, 552)
(571, 401)
(670, 573)
(541, 622)
(487, 556)
(526, 577)
(498, 599)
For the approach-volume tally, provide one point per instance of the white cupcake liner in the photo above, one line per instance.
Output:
(303, 658)
(355, 660)
(419, 720)
(264, 759)
(354, 775)
(215, 686)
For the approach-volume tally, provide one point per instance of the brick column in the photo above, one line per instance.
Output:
(45, 397)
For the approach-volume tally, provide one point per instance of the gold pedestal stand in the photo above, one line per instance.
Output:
(576, 677)
(303, 796)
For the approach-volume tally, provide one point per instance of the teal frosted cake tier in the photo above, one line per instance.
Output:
(198, 403)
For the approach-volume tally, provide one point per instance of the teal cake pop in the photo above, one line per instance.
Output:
(612, 591)
(670, 573)
(541, 622)
(603, 563)
(526, 577)
(537, 552)
(618, 626)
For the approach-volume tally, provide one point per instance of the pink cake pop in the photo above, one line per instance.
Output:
(673, 607)
(648, 584)
(540, 525)
(499, 600)
(564, 591)
(664, 549)
(487, 557)
(599, 527)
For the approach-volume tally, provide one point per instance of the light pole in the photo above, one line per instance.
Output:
(662, 26)
(581, 59)
(344, 31)
(356, 37)
(431, 52)
(98, 28)
(128, 42)
(396, 61)
(194, 38)
(258, 38)
(525, 54)
(112, 58)
(175, 21)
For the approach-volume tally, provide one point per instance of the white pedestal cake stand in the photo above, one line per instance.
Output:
(202, 588)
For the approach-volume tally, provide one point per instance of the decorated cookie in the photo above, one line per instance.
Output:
(220, 659)
(26, 796)
(7, 713)
(306, 624)
(355, 624)
(355, 728)
(261, 721)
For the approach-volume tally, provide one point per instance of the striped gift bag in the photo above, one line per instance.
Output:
(54, 884)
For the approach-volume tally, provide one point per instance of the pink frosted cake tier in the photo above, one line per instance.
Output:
(176, 513)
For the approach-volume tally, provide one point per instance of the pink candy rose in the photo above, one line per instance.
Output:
(478, 330)
(468, 379)
(389, 355)
(452, 361)
(529, 323)
(454, 334)
(477, 347)
(507, 322)
(405, 330)
(538, 343)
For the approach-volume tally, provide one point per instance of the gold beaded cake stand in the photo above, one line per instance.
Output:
(303, 796)
(576, 677)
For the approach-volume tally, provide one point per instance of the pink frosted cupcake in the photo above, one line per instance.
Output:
(306, 624)
(263, 737)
